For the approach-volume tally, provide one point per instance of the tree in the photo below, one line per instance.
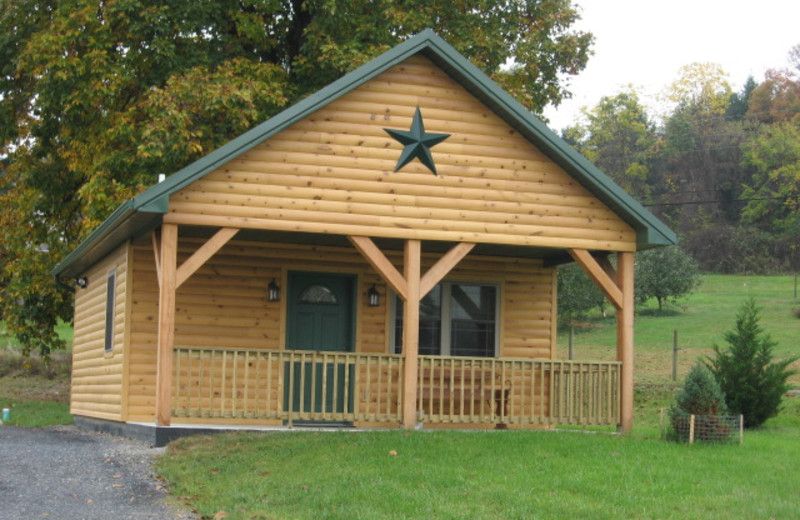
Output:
(97, 97)
(771, 154)
(699, 159)
(619, 138)
(703, 86)
(774, 191)
(700, 396)
(777, 98)
(740, 101)
(753, 383)
(577, 294)
(666, 274)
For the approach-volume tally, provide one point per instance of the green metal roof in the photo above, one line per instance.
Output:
(143, 213)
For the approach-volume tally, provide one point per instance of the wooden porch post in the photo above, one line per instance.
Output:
(625, 339)
(618, 288)
(411, 286)
(166, 322)
(411, 266)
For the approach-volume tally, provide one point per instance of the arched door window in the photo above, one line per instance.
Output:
(318, 294)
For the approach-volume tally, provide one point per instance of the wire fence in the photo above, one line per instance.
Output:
(702, 428)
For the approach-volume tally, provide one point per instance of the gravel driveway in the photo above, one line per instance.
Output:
(66, 473)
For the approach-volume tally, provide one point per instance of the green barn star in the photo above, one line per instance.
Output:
(417, 143)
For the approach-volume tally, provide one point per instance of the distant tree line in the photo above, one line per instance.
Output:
(721, 168)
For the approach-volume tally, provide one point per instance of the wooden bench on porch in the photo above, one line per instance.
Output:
(463, 388)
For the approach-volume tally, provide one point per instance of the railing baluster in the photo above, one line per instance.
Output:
(331, 372)
(451, 386)
(210, 371)
(234, 381)
(581, 389)
(290, 383)
(198, 398)
(504, 398)
(265, 369)
(532, 395)
(246, 389)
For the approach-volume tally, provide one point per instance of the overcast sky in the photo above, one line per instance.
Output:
(646, 42)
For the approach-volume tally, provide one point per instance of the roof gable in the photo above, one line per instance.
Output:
(143, 211)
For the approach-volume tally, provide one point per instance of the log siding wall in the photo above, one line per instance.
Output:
(333, 172)
(224, 303)
(98, 377)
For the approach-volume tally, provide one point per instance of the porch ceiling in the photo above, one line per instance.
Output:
(549, 255)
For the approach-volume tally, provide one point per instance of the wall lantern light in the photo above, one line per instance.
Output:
(82, 282)
(273, 291)
(374, 296)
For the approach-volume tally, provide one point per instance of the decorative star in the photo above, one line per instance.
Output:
(416, 143)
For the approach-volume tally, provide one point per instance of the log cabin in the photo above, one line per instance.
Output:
(381, 254)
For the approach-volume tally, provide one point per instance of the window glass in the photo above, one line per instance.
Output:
(110, 297)
(472, 322)
(471, 311)
(430, 323)
(318, 294)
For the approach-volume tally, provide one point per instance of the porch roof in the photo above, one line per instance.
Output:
(144, 212)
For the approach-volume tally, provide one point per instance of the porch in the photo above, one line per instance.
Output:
(283, 387)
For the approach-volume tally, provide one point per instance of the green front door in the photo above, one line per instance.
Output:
(320, 317)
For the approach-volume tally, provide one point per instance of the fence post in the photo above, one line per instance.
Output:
(741, 429)
(675, 355)
(691, 429)
(571, 351)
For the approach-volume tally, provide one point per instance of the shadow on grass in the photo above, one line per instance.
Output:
(656, 313)
(588, 324)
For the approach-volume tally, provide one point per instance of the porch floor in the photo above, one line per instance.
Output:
(160, 436)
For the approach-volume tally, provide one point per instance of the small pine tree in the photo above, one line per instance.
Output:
(700, 396)
(754, 385)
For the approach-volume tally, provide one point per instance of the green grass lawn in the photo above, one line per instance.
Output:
(36, 413)
(37, 394)
(485, 475)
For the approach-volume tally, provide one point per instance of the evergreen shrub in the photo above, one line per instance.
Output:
(702, 397)
(754, 384)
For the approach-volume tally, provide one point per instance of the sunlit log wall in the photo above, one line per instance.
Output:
(333, 172)
(98, 377)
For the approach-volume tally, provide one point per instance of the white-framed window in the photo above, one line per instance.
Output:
(111, 296)
(455, 319)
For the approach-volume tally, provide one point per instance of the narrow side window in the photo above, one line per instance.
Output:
(110, 297)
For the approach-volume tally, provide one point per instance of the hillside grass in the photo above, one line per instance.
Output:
(701, 319)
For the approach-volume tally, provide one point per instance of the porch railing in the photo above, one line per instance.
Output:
(218, 383)
(287, 385)
(517, 391)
